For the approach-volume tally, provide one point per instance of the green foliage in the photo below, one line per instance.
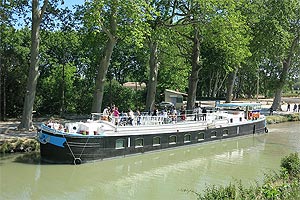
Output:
(219, 193)
(19, 145)
(122, 97)
(253, 35)
(14, 55)
(272, 119)
(292, 164)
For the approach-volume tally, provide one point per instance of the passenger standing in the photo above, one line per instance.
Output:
(116, 115)
(138, 117)
(197, 111)
(106, 113)
(299, 107)
(174, 114)
(288, 107)
(204, 111)
(131, 117)
(182, 113)
(155, 112)
(295, 108)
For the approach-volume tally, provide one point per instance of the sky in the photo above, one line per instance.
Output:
(70, 3)
(67, 3)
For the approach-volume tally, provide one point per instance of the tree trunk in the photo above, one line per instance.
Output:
(194, 76)
(286, 64)
(26, 122)
(152, 83)
(230, 85)
(102, 71)
(105, 60)
(215, 87)
(278, 92)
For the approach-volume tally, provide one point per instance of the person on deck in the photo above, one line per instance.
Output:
(131, 117)
(106, 113)
(204, 111)
(116, 115)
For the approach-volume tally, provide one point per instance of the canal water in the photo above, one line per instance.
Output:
(159, 175)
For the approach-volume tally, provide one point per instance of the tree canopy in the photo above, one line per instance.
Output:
(206, 48)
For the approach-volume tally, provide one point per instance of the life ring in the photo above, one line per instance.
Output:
(266, 130)
(77, 161)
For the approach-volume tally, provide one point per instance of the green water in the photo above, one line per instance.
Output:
(159, 175)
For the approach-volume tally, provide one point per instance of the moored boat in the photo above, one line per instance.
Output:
(102, 137)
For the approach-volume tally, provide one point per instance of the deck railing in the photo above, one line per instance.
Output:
(163, 118)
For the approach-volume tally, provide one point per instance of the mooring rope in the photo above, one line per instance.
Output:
(69, 147)
(84, 146)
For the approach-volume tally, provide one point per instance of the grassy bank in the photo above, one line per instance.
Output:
(282, 185)
(13, 145)
(284, 117)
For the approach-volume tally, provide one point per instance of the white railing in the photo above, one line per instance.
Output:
(164, 118)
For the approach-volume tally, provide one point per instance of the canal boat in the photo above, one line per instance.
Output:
(103, 137)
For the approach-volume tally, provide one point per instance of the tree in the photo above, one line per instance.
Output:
(277, 37)
(37, 15)
(116, 19)
(215, 23)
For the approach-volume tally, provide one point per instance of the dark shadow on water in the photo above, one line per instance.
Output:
(29, 158)
(32, 158)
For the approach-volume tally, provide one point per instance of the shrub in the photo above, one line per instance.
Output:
(292, 164)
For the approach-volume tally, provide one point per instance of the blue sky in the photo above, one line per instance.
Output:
(67, 3)
(70, 3)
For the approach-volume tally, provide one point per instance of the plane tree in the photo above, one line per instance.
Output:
(277, 35)
(218, 24)
(37, 16)
(115, 20)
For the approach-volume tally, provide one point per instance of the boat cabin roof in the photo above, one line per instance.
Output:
(241, 106)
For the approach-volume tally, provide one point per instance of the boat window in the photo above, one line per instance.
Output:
(187, 138)
(225, 132)
(120, 143)
(172, 139)
(156, 141)
(213, 134)
(200, 136)
(231, 120)
(139, 142)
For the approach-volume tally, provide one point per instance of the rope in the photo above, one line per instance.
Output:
(84, 146)
(69, 147)
(78, 158)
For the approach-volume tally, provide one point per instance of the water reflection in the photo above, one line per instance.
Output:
(159, 175)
